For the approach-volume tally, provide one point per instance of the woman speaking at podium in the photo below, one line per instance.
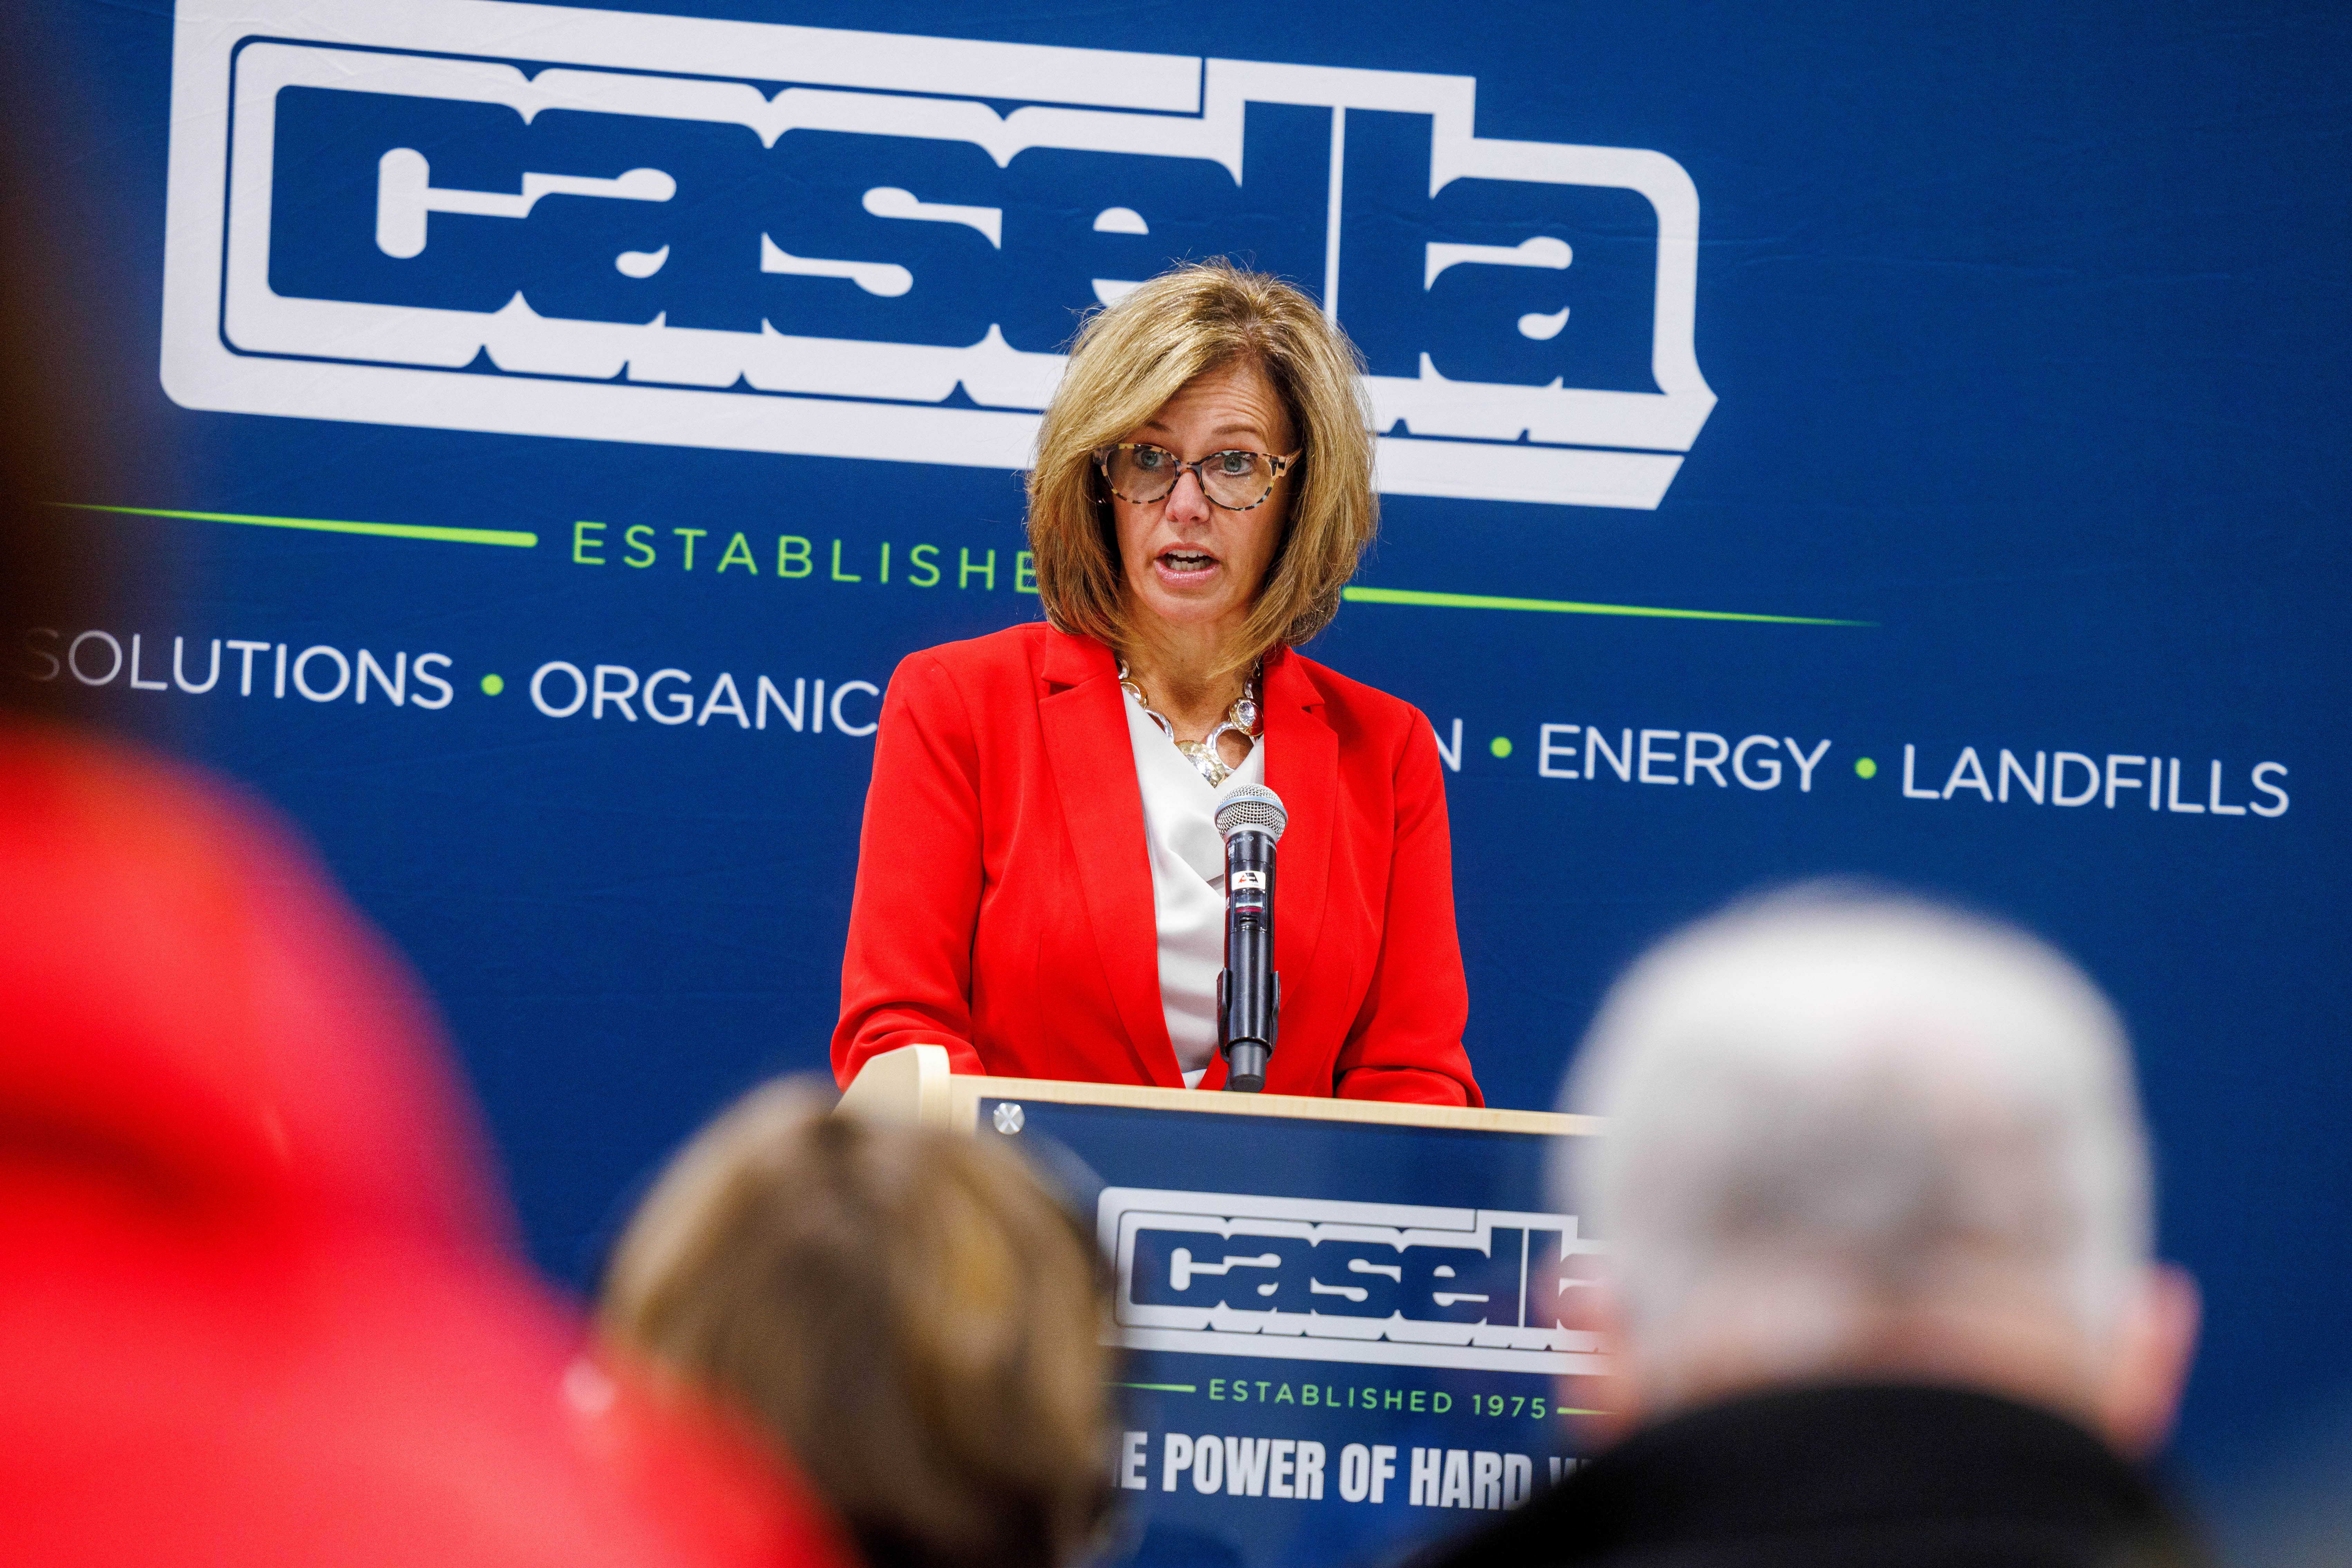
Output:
(1040, 879)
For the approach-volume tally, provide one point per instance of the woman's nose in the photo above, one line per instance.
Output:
(1186, 501)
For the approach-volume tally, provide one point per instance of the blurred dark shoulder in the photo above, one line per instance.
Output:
(1887, 1476)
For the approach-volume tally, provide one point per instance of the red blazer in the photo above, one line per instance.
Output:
(1004, 911)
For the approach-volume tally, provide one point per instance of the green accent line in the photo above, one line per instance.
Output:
(1564, 1410)
(329, 525)
(1360, 595)
(1162, 1387)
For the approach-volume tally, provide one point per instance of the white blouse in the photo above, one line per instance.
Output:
(1187, 883)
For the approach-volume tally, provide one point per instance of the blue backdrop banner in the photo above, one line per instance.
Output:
(1906, 441)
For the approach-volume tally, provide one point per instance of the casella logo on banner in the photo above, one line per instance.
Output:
(1380, 1284)
(683, 231)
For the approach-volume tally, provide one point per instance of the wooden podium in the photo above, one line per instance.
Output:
(1341, 1319)
(912, 1085)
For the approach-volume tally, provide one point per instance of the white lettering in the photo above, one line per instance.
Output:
(1620, 761)
(1175, 1460)
(1455, 1492)
(843, 690)
(1910, 793)
(2009, 764)
(1649, 756)
(343, 673)
(1450, 755)
(179, 677)
(1485, 1479)
(2058, 764)
(1425, 1463)
(2117, 762)
(1310, 1470)
(725, 699)
(1130, 1446)
(1739, 763)
(2269, 789)
(1208, 1466)
(1162, 108)
(1969, 774)
(245, 681)
(2213, 799)
(1712, 763)
(768, 693)
(578, 688)
(137, 684)
(2173, 793)
(619, 698)
(1245, 1462)
(678, 714)
(73, 658)
(397, 688)
(1805, 765)
(56, 665)
(1546, 752)
(425, 677)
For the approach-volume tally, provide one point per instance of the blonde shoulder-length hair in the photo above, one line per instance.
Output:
(908, 1313)
(1127, 362)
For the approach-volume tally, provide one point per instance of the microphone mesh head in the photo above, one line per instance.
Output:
(1251, 805)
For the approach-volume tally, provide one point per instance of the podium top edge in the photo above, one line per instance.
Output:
(966, 1092)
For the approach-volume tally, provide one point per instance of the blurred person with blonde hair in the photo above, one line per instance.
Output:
(909, 1314)
(1040, 881)
(1877, 1195)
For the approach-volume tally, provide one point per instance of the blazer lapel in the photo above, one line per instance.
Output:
(1102, 809)
(1302, 766)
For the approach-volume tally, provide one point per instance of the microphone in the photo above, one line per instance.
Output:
(1249, 992)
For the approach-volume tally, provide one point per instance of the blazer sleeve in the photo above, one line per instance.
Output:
(1406, 1043)
(905, 972)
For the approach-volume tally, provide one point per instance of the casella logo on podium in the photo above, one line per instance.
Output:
(1381, 1284)
(682, 231)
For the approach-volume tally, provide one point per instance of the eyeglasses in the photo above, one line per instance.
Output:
(1236, 480)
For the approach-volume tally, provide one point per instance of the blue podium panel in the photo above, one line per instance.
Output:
(1341, 1337)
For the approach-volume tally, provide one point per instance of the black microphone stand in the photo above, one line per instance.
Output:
(1249, 992)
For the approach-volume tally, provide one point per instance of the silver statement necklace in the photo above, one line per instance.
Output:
(1242, 719)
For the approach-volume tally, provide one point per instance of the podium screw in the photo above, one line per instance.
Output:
(1008, 1118)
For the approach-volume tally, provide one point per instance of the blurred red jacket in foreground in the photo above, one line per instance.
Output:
(253, 1302)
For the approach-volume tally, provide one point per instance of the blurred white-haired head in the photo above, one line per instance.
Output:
(1846, 1129)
